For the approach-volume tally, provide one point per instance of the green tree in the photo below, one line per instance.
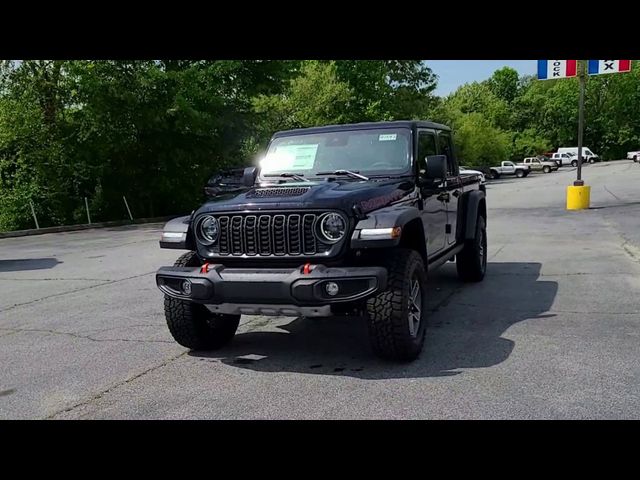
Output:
(479, 143)
(388, 89)
(504, 84)
(315, 97)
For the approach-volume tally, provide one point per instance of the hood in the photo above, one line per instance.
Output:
(341, 195)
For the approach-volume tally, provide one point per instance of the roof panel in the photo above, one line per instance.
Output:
(362, 126)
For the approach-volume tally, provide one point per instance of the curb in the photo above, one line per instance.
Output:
(72, 228)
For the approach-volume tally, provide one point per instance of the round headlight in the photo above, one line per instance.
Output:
(332, 227)
(209, 229)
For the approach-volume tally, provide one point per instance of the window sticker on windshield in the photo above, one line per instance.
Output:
(386, 137)
(291, 157)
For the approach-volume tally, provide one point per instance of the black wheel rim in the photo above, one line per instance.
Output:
(415, 307)
(482, 249)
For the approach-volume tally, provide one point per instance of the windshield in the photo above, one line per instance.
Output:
(369, 152)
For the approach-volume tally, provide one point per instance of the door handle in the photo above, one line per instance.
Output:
(443, 197)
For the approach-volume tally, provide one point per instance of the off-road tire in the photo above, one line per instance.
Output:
(388, 313)
(192, 325)
(471, 262)
(546, 169)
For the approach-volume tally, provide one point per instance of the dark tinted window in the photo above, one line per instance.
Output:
(426, 147)
(445, 148)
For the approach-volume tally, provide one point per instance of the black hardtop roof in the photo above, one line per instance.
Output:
(362, 126)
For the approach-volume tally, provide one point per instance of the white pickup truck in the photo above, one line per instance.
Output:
(565, 159)
(509, 168)
(540, 164)
(635, 156)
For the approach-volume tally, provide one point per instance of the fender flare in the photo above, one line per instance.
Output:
(475, 203)
(388, 217)
(177, 234)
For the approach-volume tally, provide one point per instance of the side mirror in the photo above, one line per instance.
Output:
(249, 176)
(436, 167)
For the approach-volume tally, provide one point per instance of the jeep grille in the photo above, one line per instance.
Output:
(268, 235)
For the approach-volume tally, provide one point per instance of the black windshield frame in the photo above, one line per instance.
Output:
(299, 139)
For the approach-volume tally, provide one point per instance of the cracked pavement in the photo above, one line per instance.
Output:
(552, 332)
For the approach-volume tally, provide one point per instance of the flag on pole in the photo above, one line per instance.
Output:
(596, 67)
(549, 69)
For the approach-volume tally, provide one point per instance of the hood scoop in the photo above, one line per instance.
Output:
(278, 192)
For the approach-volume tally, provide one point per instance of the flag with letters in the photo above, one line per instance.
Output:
(596, 67)
(550, 69)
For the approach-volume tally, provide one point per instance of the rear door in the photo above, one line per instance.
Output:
(453, 188)
(434, 211)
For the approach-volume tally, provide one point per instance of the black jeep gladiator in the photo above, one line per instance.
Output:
(337, 220)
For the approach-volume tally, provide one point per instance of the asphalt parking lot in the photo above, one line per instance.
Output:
(552, 332)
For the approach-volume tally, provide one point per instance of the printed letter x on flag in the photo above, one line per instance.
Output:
(596, 67)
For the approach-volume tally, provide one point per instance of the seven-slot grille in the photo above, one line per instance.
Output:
(268, 234)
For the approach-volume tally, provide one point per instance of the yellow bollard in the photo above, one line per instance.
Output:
(578, 197)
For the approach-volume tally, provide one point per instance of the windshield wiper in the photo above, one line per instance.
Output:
(295, 176)
(344, 172)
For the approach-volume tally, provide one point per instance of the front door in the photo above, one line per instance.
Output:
(453, 187)
(434, 211)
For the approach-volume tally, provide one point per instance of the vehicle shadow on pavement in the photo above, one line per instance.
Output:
(17, 265)
(466, 324)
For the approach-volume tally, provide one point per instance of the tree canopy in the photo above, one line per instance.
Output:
(154, 131)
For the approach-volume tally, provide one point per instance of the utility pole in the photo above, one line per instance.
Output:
(581, 67)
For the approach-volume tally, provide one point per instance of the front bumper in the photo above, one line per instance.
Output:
(270, 291)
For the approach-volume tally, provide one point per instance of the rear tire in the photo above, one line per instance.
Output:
(519, 173)
(471, 262)
(396, 316)
(494, 175)
(635, 158)
(192, 325)
(546, 169)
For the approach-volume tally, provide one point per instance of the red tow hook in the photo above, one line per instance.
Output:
(205, 268)
(306, 269)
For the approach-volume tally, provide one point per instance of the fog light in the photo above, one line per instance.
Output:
(186, 287)
(331, 288)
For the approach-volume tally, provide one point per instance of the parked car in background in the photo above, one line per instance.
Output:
(509, 168)
(225, 182)
(635, 156)
(565, 159)
(587, 154)
(539, 164)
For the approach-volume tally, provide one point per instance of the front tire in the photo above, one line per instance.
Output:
(471, 262)
(192, 325)
(396, 316)
(574, 163)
